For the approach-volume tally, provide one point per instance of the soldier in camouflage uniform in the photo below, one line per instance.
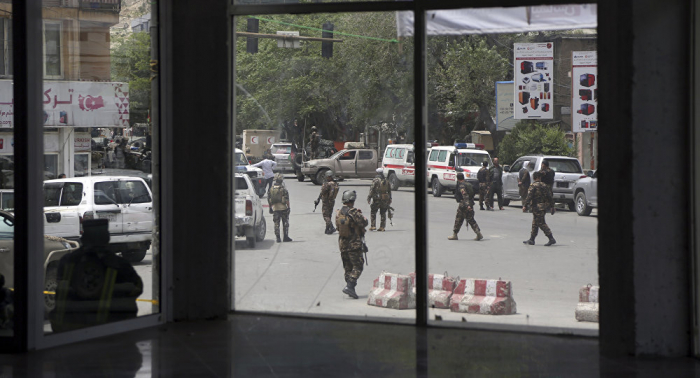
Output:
(464, 194)
(539, 199)
(483, 177)
(314, 141)
(351, 235)
(329, 191)
(380, 199)
(278, 199)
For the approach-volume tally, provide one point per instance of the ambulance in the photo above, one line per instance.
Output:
(442, 161)
(398, 163)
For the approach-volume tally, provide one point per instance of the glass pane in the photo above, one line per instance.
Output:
(337, 114)
(7, 169)
(496, 101)
(97, 144)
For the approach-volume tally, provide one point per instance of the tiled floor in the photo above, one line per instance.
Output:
(266, 346)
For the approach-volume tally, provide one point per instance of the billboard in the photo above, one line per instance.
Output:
(74, 104)
(584, 91)
(534, 80)
(504, 105)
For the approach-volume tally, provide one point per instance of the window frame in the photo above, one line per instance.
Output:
(60, 48)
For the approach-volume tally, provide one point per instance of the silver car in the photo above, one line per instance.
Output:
(586, 193)
(282, 153)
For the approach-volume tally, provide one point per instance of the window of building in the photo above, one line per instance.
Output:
(52, 49)
(5, 46)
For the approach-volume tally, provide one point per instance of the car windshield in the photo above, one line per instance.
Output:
(565, 165)
(240, 159)
(281, 149)
(121, 192)
(471, 159)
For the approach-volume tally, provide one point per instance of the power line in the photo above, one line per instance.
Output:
(321, 30)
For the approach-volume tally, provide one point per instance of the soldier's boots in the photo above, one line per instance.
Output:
(349, 289)
(380, 228)
(331, 230)
(453, 237)
(481, 207)
(328, 230)
(551, 241)
(372, 228)
(286, 238)
(529, 241)
(478, 236)
(278, 239)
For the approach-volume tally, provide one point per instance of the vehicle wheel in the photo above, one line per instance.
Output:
(298, 160)
(571, 205)
(50, 284)
(300, 176)
(321, 176)
(261, 230)
(134, 255)
(88, 277)
(582, 207)
(437, 187)
(393, 181)
(505, 202)
(251, 241)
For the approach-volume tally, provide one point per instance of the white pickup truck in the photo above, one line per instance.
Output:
(250, 221)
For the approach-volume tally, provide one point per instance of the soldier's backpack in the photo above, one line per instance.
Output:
(276, 195)
(344, 228)
(384, 189)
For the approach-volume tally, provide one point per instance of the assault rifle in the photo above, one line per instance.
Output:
(391, 215)
(316, 203)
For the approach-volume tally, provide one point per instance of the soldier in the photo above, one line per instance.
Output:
(539, 200)
(496, 185)
(279, 207)
(351, 234)
(329, 191)
(380, 198)
(524, 181)
(483, 177)
(314, 142)
(548, 177)
(464, 194)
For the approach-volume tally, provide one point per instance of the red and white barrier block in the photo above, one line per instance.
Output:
(488, 297)
(440, 288)
(588, 308)
(392, 290)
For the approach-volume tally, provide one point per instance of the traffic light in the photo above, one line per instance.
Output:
(327, 47)
(252, 42)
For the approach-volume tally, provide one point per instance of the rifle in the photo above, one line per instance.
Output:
(316, 203)
(391, 215)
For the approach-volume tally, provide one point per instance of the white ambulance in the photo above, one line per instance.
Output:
(399, 165)
(442, 161)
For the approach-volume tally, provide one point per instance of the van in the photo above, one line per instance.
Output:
(398, 163)
(442, 161)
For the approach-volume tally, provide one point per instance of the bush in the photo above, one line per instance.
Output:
(533, 139)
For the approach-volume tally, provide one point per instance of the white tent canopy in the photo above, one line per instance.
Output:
(502, 20)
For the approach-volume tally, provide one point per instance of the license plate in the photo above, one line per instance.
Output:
(562, 185)
(111, 216)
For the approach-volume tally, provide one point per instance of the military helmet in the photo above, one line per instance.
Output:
(329, 174)
(279, 178)
(349, 196)
(460, 176)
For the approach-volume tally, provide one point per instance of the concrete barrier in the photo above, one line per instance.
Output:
(392, 290)
(588, 308)
(440, 288)
(488, 297)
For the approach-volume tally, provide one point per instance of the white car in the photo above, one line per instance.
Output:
(243, 166)
(126, 201)
(282, 153)
(399, 165)
(442, 161)
(586, 193)
(250, 221)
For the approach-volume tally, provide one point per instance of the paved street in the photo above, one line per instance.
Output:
(306, 275)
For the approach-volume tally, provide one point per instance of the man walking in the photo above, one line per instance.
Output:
(483, 177)
(524, 181)
(496, 185)
(380, 199)
(278, 199)
(351, 234)
(329, 191)
(464, 194)
(267, 167)
(539, 199)
(548, 177)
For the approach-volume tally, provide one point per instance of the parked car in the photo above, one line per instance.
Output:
(243, 166)
(399, 165)
(54, 249)
(567, 171)
(442, 160)
(347, 163)
(586, 193)
(283, 156)
(126, 201)
(250, 220)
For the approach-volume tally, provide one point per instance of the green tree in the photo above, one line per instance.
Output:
(533, 138)
(131, 55)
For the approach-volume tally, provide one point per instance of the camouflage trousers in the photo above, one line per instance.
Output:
(352, 263)
(383, 207)
(462, 214)
(523, 192)
(327, 210)
(538, 222)
(281, 215)
(483, 191)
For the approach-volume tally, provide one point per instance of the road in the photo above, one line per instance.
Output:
(306, 276)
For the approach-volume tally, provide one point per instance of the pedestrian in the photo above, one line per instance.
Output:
(548, 177)
(62, 175)
(120, 154)
(483, 177)
(314, 141)
(379, 198)
(524, 181)
(495, 185)
(278, 199)
(539, 200)
(329, 191)
(351, 240)
(464, 194)
(267, 167)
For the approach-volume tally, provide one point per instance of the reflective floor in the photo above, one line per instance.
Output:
(262, 346)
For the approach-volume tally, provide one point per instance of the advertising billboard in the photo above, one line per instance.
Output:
(584, 93)
(534, 80)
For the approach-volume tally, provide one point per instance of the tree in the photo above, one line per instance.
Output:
(131, 55)
(535, 138)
